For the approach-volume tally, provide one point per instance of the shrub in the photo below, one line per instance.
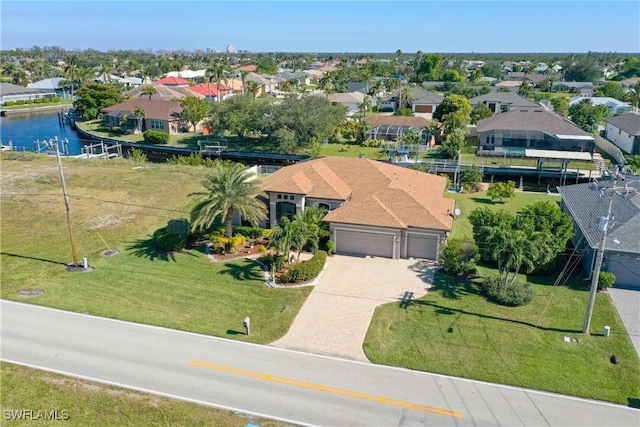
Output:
(306, 270)
(331, 247)
(228, 243)
(606, 280)
(179, 226)
(9, 103)
(153, 136)
(20, 102)
(510, 295)
(169, 242)
(138, 156)
(501, 190)
(274, 261)
(266, 233)
(385, 110)
(376, 143)
(29, 101)
(459, 258)
(55, 99)
(37, 101)
(251, 232)
(403, 112)
(46, 100)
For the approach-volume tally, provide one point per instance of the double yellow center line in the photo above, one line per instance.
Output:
(325, 389)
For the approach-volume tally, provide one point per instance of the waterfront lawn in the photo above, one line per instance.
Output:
(38, 106)
(89, 403)
(350, 150)
(114, 206)
(467, 202)
(454, 330)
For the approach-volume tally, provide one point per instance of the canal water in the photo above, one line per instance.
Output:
(23, 129)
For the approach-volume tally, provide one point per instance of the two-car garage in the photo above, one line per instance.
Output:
(387, 243)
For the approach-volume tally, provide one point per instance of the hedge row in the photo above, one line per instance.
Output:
(32, 101)
(306, 270)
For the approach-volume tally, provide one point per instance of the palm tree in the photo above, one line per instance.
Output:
(149, 90)
(139, 114)
(243, 77)
(633, 96)
(308, 228)
(253, 88)
(70, 70)
(218, 73)
(229, 187)
(283, 236)
(20, 77)
(406, 96)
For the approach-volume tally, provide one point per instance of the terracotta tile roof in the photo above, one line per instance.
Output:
(205, 89)
(160, 110)
(247, 68)
(172, 81)
(416, 122)
(376, 193)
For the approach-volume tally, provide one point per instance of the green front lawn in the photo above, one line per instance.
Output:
(114, 206)
(453, 330)
(36, 106)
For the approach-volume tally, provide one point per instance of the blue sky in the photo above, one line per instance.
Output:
(314, 26)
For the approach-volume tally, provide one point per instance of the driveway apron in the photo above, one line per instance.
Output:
(335, 318)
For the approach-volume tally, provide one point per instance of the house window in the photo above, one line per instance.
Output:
(285, 209)
(157, 124)
(504, 108)
(279, 196)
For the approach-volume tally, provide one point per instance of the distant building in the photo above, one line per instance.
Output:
(231, 49)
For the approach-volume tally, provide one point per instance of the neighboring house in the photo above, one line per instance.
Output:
(375, 208)
(296, 77)
(581, 88)
(534, 129)
(209, 91)
(624, 132)
(350, 100)
(11, 92)
(188, 74)
(515, 75)
(501, 102)
(164, 93)
(267, 83)
(535, 79)
(622, 245)
(172, 82)
(425, 101)
(159, 115)
(614, 106)
(393, 128)
(54, 84)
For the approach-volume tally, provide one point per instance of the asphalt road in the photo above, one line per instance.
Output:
(292, 386)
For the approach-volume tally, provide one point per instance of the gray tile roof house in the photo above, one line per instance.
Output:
(624, 131)
(534, 129)
(622, 245)
(503, 101)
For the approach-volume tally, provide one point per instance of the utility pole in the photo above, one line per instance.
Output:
(603, 225)
(66, 202)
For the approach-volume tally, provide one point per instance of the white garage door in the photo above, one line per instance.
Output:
(363, 243)
(422, 246)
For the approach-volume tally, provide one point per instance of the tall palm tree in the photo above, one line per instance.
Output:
(243, 77)
(228, 188)
(139, 114)
(633, 96)
(20, 77)
(217, 72)
(71, 62)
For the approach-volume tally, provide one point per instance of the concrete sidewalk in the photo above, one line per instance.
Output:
(627, 303)
(335, 318)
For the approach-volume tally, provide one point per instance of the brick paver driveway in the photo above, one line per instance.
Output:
(335, 318)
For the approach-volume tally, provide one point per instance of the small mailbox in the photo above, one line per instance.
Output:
(246, 324)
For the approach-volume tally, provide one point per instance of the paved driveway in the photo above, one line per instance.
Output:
(335, 318)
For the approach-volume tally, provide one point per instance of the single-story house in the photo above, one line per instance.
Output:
(374, 208)
(159, 115)
(209, 91)
(172, 82)
(582, 88)
(586, 204)
(624, 132)
(425, 101)
(350, 100)
(11, 92)
(534, 129)
(55, 83)
(163, 93)
(501, 102)
(393, 128)
(615, 106)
